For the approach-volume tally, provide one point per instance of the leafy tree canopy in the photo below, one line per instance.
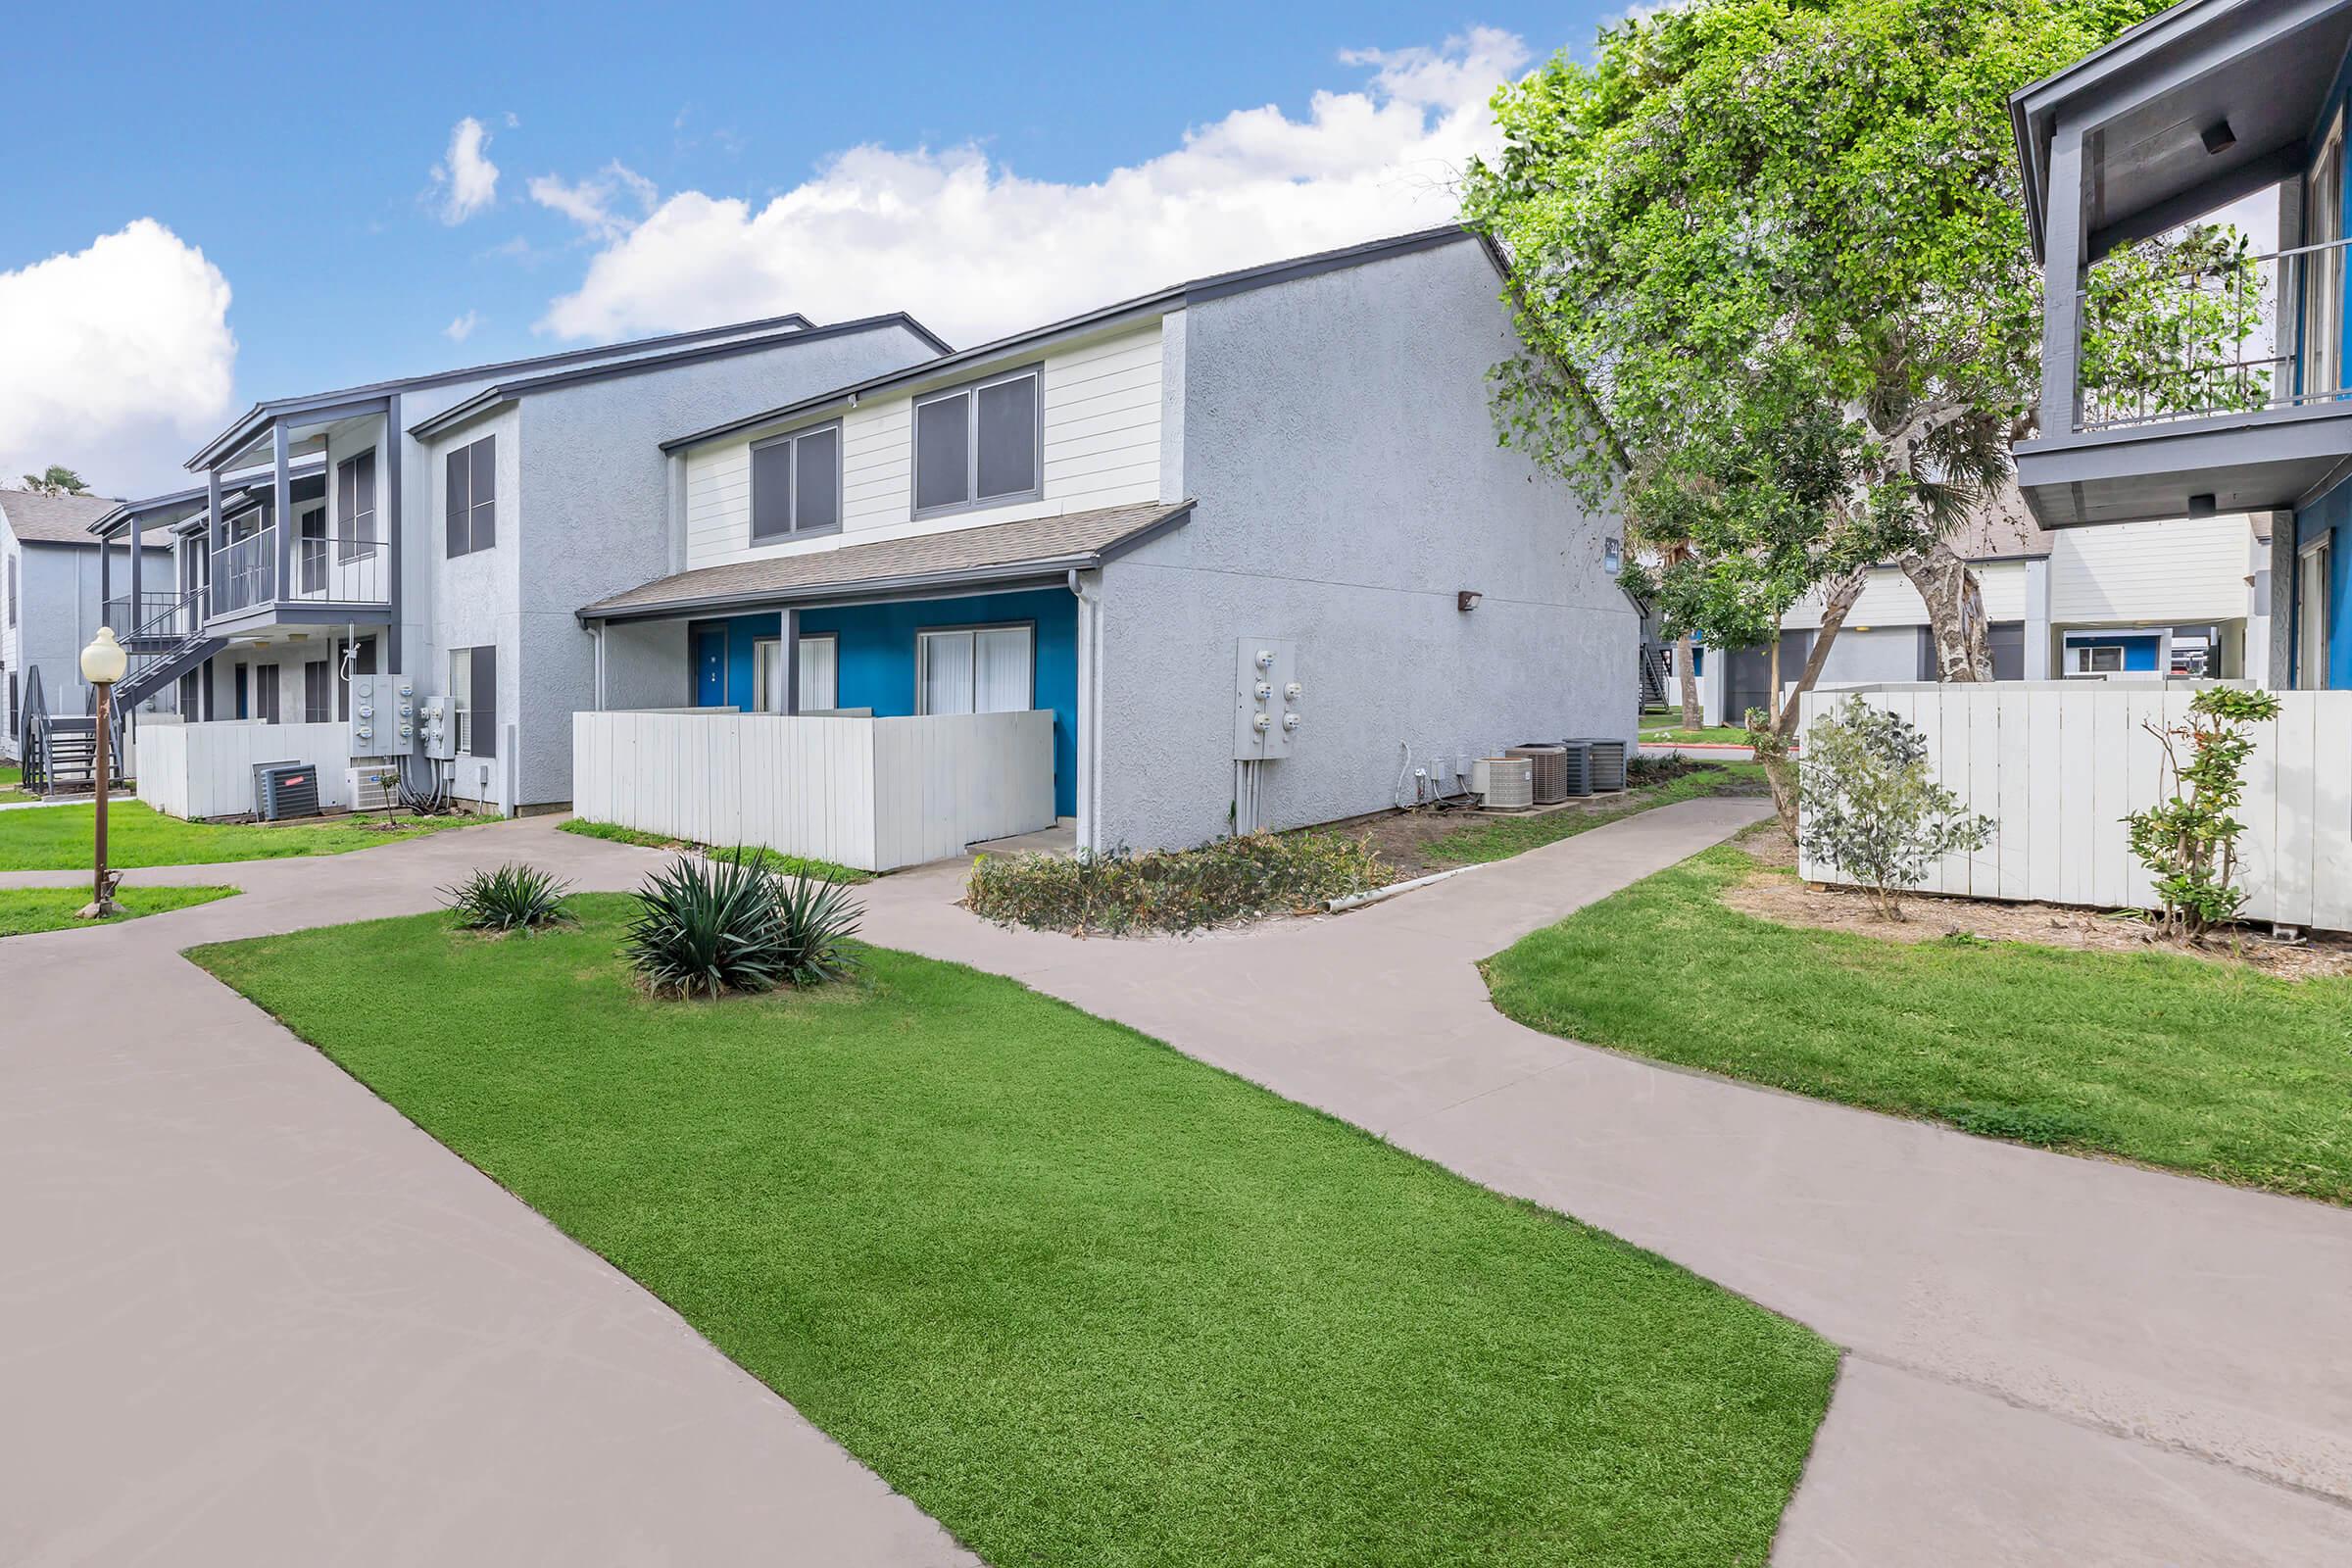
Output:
(57, 480)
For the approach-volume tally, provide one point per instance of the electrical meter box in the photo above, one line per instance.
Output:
(438, 722)
(383, 716)
(1266, 696)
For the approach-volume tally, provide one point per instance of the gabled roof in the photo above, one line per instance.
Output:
(37, 519)
(185, 509)
(1037, 547)
(503, 392)
(259, 415)
(1143, 306)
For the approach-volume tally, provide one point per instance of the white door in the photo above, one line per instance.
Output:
(2311, 614)
(820, 673)
(767, 674)
(2324, 271)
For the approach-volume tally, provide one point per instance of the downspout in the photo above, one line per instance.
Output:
(1090, 714)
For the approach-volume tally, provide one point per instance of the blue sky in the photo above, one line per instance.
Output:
(663, 169)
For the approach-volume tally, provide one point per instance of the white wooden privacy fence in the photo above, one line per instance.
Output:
(871, 793)
(2058, 765)
(206, 770)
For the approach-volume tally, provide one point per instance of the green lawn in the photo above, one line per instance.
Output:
(1085, 1299)
(774, 859)
(1666, 729)
(24, 910)
(1498, 837)
(2157, 1058)
(59, 837)
(12, 780)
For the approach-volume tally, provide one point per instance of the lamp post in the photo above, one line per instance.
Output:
(102, 664)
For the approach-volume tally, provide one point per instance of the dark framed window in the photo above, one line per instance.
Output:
(474, 686)
(241, 674)
(980, 444)
(355, 506)
(470, 490)
(269, 686)
(12, 590)
(317, 689)
(309, 550)
(796, 484)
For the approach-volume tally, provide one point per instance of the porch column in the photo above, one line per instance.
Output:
(106, 574)
(2038, 619)
(2285, 560)
(792, 661)
(2060, 283)
(281, 508)
(132, 624)
(393, 525)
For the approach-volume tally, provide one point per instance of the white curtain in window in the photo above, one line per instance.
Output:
(947, 661)
(1001, 678)
(819, 674)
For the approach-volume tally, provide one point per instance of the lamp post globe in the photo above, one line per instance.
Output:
(102, 664)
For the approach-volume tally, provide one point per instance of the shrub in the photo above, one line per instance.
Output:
(513, 897)
(726, 923)
(1871, 807)
(1236, 878)
(2190, 843)
(1640, 770)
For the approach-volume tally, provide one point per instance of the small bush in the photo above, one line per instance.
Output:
(1173, 889)
(513, 897)
(726, 923)
(2190, 843)
(1640, 770)
(1872, 805)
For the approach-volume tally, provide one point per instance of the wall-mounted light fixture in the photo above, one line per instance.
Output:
(1467, 600)
(2217, 137)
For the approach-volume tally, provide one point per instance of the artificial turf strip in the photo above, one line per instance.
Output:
(60, 837)
(2157, 1058)
(1085, 1299)
(775, 860)
(1498, 837)
(24, 910)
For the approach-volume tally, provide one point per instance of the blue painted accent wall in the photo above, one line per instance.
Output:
(2139, 652)
(876, 652)
(2333, 511)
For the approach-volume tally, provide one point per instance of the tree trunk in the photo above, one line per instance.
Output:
(1772, 748)
(1955, 612)
(1693, 718)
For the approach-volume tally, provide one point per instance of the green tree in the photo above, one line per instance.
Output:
(57, 480)
(1748, 213)
(2189, 842)
(1873, 808)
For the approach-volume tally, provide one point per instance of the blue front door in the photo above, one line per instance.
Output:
(710, 670)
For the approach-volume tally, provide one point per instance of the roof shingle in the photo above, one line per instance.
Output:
(46, 519)
(1004, 548)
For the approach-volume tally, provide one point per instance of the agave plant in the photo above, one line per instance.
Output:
(724, 923)
(513, 897)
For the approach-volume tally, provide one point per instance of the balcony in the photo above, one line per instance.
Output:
(326, 580)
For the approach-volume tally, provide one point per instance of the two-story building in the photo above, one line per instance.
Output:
(444, 527)
(1249, 541)
(2214, 106)
(49, 571)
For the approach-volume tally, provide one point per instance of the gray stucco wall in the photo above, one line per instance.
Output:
(1336, 434)
(595, 518)
(57, 615)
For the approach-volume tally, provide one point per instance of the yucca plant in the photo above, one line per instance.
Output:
(513, 897)
(724, 923)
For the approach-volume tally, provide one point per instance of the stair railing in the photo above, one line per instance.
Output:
(32, 734)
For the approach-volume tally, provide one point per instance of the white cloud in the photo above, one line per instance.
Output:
(595, 203)
(466, 177)
(118, 362)
(459, 330)
(975, 249)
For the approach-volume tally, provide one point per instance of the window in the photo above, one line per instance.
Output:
(473, 687)
(796, 484)
(269, 688)
(976, 669)
(767, 676)
(469, 492)
(2324, 298)
(2312, 613)
(2100, 658)
(355, 506)
(820, 669)
(978, 444)
(317, 686)
(243, 674)
(309, 547)
(188, 696)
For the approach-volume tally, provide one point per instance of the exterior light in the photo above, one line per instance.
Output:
(1467, 600)
(2217, 137)
(104, 661)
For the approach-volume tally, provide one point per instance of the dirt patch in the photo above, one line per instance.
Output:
(1771, 895)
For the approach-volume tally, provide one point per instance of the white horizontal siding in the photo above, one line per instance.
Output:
(2177, 571)
(1102, 444)
(1888, 599)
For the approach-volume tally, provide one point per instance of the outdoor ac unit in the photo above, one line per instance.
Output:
(1551, 769)
(281, 790)
(372, 787)
(1608, 763)
(1506, 783)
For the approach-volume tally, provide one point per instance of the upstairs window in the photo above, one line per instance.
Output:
(469, 485)
(978, 445)
(795, 485)
(355, 506)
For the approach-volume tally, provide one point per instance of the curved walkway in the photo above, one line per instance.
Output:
(253, 1315)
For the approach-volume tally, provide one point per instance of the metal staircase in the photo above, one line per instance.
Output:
(167, 646)
(1653, 678)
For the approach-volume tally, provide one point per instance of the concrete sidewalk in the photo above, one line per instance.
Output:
(252, 1303)
(250, 1314)
(2051, 1359)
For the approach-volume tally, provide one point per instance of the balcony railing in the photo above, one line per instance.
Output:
(153, 611)
(2207, 327)
(328, 569)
